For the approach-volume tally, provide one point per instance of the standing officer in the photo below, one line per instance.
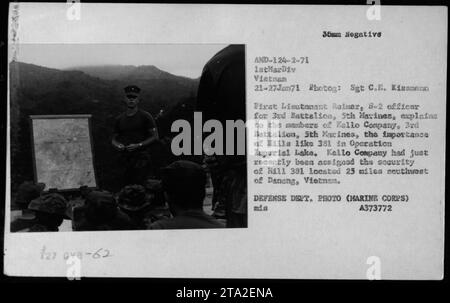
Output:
(134, 131)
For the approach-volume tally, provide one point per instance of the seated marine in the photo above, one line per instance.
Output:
(100, 212)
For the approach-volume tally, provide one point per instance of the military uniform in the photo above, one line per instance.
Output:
(134, 130)
(232, 194)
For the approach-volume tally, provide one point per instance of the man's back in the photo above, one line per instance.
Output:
(188, 220)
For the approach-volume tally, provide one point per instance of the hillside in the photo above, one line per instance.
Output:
(127, 72)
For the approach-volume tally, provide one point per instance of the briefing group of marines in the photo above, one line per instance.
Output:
(155, 195)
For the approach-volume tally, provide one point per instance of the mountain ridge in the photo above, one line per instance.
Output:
(118, 71)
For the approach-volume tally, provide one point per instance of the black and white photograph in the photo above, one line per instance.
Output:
(92, 142)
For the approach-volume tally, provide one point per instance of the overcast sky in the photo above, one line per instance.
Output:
(179, 59)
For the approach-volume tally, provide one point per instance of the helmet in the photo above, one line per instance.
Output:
(133, 198)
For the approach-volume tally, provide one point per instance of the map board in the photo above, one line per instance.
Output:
(62, 151)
